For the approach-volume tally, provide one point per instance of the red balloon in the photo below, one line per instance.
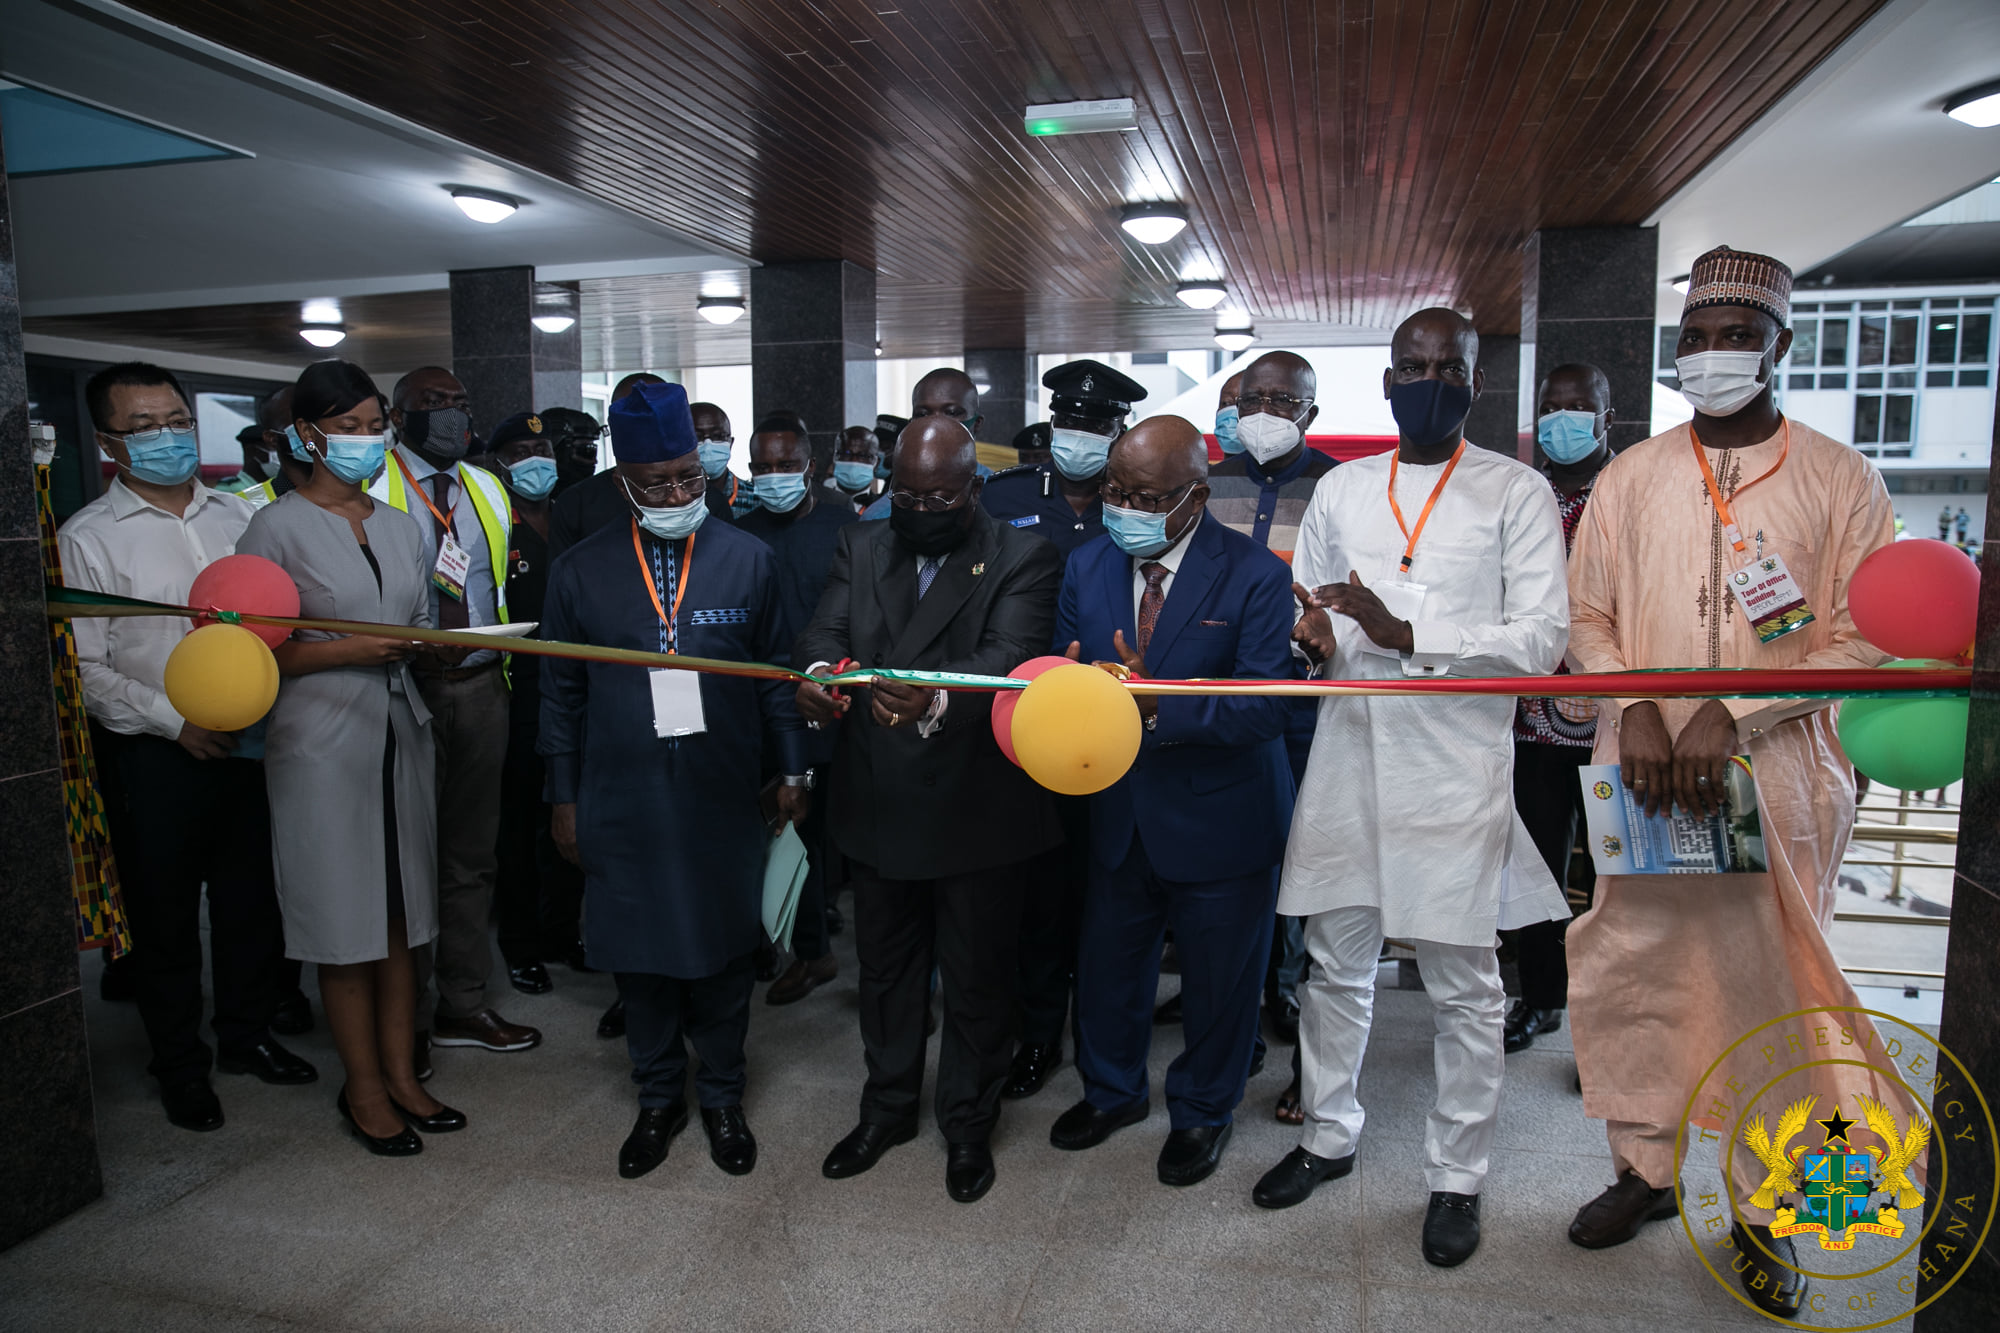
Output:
(1005, 700)
(1916, 598)
(247, 583)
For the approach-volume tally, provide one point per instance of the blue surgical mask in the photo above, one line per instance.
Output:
(714, 456)
(1137, 532)
(1567, 437)
(297, 445)
(882, 469)
(853, 476)
(1079, 455)
(163, 457)
(532, 478)
(669, 523)
(780, 491)
(1428, 411)
(1225, 430)
(352, 458)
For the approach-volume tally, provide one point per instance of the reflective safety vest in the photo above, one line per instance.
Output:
(489, 502)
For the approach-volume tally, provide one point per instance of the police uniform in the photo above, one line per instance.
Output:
(1030, 497)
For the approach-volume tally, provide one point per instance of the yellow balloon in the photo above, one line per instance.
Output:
(1076, 730)
(222, 678)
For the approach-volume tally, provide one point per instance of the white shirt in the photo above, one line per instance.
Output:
(122, 544)
(1171, 558)
(482, 598)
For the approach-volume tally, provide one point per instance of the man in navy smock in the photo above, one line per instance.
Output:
(654, 774)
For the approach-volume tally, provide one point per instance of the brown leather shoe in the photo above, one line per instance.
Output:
(486, 1030)
(802, 979)
(1615, 1216)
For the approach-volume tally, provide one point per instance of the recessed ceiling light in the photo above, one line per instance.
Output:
(321, 310)
(878, 347)
(1153, 224)
(720, 309)
(323, 335)
(1201, 295)
(553, 323)
(981, 389)
(1235, 339)
(1978, 107)
(485, 205)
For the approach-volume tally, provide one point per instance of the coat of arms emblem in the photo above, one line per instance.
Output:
(1835, 1192)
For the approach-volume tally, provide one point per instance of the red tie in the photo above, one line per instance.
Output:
(1150, 603)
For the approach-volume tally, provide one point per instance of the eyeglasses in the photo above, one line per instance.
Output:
(667, 493)
(1121, 498)
(1282, 403)
(151, 434)
(930, 504)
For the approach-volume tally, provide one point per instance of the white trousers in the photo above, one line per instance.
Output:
(1337, 1006)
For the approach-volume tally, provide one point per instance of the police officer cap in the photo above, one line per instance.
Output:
(1091, 389)
(560, 421)
(520, 426)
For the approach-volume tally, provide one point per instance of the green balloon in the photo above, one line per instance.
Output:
(1908, 744)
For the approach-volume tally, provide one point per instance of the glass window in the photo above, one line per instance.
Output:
(1806, 309)
(1868, 419)
(1909, 305)
(1938, 303)
(1972, 301)
(1837, 305)
(1974, 337)
(1944, 339)
(1805, 342)
(1805, 381)
(1874, 340)
(1871, 380)
(1937, 379)
(1903, 340)
(1670, 336)
(1898, 409)
(1833, 342)
(1971, 379)
(1902, 379)
(1837, 381)
(1874, 305)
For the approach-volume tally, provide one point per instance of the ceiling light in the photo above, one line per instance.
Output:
(981, 389)
(1234, 339)
(1201, 295)
(878, 347)
(323, 335)
(1153, 224)
(1112, 113)
(322, 310)
(1978, 107)
(553, 323)
(720, 309)
(485, 205)
(1679, 284)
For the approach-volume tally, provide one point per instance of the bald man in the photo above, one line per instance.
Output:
(1171, 592)
(1439, 559)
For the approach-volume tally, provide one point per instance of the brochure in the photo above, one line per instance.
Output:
(1624, 840)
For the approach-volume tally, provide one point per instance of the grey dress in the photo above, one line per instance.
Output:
(325, 749)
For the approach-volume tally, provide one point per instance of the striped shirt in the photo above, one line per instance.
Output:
(1266, 506)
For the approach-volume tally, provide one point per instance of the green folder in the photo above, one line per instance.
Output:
(784, 880)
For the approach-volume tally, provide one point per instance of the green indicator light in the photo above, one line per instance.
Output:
(1044, 127)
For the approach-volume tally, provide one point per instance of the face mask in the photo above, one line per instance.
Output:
(928, 534)
(1269, 438)
(971, 424)
(1225, 430)
(714, 456)
(883, 468)
(1567, 437)
(163, 457)
(1078, 454)
(780, 491)
(532, 478)
(1139, 533)
(853, 476)
(1719, 384)
(443, 432)
(1429, 411)
(352, 458)
(297, 445)
(669, 523)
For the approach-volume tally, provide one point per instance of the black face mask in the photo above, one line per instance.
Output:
(441, 432)
(576, 459)
(929, 534)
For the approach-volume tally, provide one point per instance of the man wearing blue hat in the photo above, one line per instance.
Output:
(654, 773)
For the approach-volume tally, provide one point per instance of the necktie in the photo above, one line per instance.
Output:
(451, 610)
(927, 569)
(1149, 605)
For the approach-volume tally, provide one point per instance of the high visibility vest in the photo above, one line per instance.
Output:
(263, 493)
(489, 502)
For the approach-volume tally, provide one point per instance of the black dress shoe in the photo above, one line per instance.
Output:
(531, 979)
(268, 1061)
(968, 1171)
(1285, 1022)
(1525, 1024)
(294, 1015)
(420, 1057)
(1772, 1287)
(613, 1022)
(862, 1148)
(192, 1105)
(403, 1143)
(1084, 1126)
(1191, 1155)
(1030, 1070)
(1615, 1216)
(1169, 1011)
(444, 1120)
(1451, 1228)
(1296, 1176)
(646, 1146)
(731, 1145)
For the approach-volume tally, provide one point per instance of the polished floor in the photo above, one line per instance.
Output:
(280, 1220)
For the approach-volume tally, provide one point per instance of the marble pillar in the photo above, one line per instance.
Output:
(1587, 294)
(507, 364)
(48, 1136)
(1006, 401)
(812, 347)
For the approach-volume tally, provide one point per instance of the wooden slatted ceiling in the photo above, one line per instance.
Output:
(1343, 161)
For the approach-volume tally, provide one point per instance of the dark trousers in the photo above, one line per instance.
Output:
(666, 1015)
(1222, 932)
(469, 725)
(1550, 802)
(967, 926)
(1050, 912)
(537, 895)
(809, 937)
(178, 823)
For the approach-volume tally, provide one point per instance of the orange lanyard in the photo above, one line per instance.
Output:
(653, 589)
(410, 479)
(1410, 550)
(1729, 528)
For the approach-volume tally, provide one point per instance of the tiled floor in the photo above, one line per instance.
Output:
(281, 1220)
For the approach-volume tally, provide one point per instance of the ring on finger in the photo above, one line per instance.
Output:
(1701, 780)
(895, 719)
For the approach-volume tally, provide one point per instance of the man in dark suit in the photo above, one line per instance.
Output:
(933, 819)
(1193, 836)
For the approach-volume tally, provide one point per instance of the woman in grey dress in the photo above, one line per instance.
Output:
(349, 757)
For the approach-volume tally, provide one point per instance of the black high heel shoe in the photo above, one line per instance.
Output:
(444, 1120)
(403, 1143)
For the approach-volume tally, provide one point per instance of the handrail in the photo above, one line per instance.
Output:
(1904, 833)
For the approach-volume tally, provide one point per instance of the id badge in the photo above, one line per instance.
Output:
(452, 568)
(676, 703)
(1405, 601)
(1770, 597)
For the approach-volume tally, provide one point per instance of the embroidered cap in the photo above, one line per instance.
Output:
(651, 424)
(1737, 277)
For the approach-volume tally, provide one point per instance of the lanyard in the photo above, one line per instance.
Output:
(653, 589)
(410, 480)
(1729, 528)
(1410, 551)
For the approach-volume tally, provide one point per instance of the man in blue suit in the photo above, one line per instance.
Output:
(1193, 836)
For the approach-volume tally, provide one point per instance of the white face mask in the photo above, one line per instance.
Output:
(1267, 438)
(1718, 384)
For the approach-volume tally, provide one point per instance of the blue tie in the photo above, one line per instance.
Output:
(927, 569)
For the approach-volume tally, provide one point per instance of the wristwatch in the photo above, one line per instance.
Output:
(806, 779)
(1153, 722)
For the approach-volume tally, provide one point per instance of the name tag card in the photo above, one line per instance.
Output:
(453, 566)
(1405, 601)
(1770, 598)
(676, 703)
